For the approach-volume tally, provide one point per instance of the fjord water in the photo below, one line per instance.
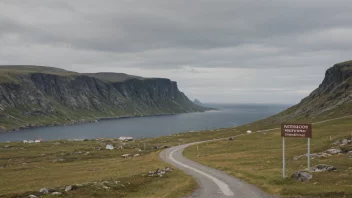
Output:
(140, 127)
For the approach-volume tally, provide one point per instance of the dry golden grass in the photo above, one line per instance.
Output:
(257, 158)
(28, 167)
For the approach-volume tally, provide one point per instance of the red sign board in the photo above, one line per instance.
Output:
(296, 130)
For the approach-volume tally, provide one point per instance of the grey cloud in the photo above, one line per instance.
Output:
(184, 40)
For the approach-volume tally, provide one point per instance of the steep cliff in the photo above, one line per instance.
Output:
(35, 96)
(333, 98)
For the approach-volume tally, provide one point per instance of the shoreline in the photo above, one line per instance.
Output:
(83, 121)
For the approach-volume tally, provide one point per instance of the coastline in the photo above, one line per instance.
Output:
(83, 121)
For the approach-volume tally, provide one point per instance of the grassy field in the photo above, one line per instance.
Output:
(257, 159)
(26, 168)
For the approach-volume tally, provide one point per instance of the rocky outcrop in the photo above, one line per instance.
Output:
(301, 176)
(198, 102)
(322, 168)
(36, 98)
(333, 98)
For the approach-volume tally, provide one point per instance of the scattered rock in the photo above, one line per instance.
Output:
(136, 155)
(301, 176)
(32, 196)
(334, 151)
(6, 146)
(167, 169)
(125, 155)
(344, 141)
(337, 142)
(44, 191)
(322, 168)
(98, 148)
(56, 193)
(86, 153)
(109, 147)
(159, 172)
(298, 157)
(59, 160)
(70, 187)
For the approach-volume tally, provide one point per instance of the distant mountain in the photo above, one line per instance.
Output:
(333, 98)
(197, 102)
(33, 96)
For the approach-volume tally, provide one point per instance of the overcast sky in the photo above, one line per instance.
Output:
(228, 51)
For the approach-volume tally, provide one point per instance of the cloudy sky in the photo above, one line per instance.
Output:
(238, 51)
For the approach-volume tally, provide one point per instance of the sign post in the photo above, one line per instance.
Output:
(308, 154)
(295, 130)
(283, 157)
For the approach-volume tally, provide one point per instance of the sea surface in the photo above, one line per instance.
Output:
(227, 115)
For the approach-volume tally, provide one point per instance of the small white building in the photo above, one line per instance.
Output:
(249, 131)
(126, 138)
(38, 140)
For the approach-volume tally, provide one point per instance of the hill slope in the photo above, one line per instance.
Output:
(333, 98)
(33, 96)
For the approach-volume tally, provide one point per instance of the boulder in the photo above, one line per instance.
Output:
(126, 155)
(334, 151)
(56, 193)
(323, 155)
(301, 176)
(70, 187)
(44, 191)
(109, 147)
(32, 196)
(337, 142)
(322, 168)
(344, 141)
(168, 169)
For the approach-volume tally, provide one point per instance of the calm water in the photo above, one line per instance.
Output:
(226, 116)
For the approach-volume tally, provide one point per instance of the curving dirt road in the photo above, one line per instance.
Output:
(212, 183)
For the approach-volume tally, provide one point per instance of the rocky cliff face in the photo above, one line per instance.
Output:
(333, 98)
(35, 99)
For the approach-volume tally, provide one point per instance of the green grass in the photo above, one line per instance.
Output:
(25, 168)
(257, 159)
